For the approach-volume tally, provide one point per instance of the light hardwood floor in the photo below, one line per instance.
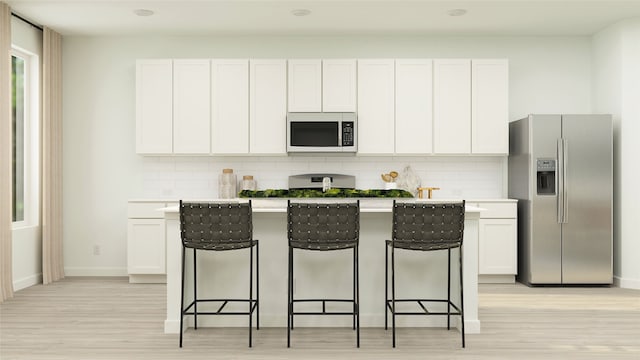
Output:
(80, 318)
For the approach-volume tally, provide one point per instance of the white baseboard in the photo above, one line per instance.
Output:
(626, 283)
(496, 279)
(95, 271)
(147, 279)
(171, 327)
(27, 282)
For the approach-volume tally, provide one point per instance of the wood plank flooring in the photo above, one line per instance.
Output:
(98, 318)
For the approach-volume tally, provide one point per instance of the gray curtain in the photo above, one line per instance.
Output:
(6, 276)
(52, 254)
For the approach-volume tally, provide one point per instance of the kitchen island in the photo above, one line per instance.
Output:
(418, 274)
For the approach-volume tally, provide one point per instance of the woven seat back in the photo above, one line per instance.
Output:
(216, 226)
(323, 226)
(423, 226)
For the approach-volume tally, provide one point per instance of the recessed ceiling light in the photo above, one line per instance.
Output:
(143, 12)
(301, 12)
(456, 12)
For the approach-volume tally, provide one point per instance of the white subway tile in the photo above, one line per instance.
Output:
(198, 176)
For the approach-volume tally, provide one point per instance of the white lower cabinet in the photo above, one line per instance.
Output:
(146, 243)
(498, 242)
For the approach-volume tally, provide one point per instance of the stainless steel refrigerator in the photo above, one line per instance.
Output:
(561, 171)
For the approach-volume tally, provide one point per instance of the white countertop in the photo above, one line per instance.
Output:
(367, 205)
(170, 200)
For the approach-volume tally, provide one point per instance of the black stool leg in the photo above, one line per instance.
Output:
(357, 307)
(393, 295)
(461, 297)
(448, 289)
(250, 292)
(386, 285)
(195, 293)
(290, 296)
(182, 296)
(257, 286)
(354, 289)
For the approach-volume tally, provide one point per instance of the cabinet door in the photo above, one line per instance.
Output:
(146, 246)
(305, 84)
(191, 107)
(376, 106)
(230, 106)
(339, 85)
(414, 106)
(452, 106)
(490, 106)
(154, 107)
(268, 106)
(497, 247)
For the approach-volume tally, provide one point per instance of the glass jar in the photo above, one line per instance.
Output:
(227, 184)
(248, 183)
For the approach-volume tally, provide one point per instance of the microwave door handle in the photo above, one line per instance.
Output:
(340, 129)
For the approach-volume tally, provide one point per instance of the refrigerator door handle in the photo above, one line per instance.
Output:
(560, 187)
(565, 193)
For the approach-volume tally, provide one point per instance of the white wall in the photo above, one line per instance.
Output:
(101, 171)
(616, 74)
(26, 240)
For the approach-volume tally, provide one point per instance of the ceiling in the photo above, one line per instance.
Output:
(327, 17)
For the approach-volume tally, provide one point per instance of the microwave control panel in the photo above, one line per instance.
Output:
(347, 133)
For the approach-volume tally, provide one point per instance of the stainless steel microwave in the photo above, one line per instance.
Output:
(322, 132)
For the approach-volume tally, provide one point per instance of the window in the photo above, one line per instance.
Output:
(18, 105)
(24, 86)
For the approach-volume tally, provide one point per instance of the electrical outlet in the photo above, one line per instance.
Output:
(96, 249)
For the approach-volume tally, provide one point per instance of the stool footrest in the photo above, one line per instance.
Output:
(324, 307)
(323, 300)
(424, 308)
(254, 304)
(322, 313)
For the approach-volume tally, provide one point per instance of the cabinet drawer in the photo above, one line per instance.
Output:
(498, 210)
(145, 210)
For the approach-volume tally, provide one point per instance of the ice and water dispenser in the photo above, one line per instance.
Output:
(546, 177)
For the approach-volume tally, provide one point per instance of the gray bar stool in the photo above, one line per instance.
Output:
(218, 227)
(323, 227)
(425, 227)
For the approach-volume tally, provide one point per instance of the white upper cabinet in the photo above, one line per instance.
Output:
(376, 106)
(305, 85)
(268, 106)
(191, 107)
(322, 85)
(230, 106)
(339, 85)
(414, 106)
(404, 106)
(490, 106)
(154, 106)
(452, 106)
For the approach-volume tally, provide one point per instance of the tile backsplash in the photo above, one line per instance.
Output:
(197, 177)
